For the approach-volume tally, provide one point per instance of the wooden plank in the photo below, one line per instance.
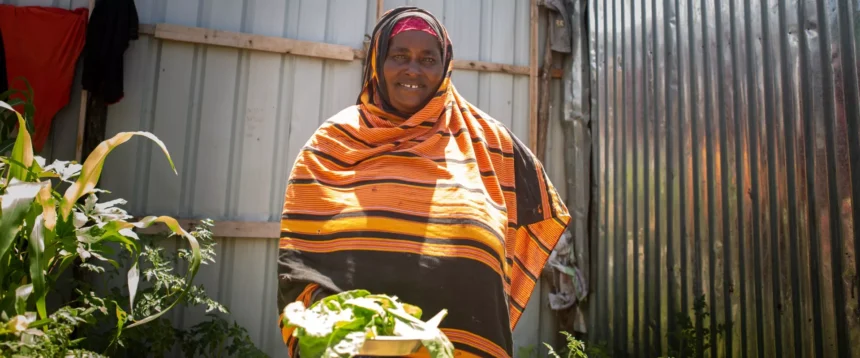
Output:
(543, 103)
(82, 120)
(490, 67)
(146, 29)
(239, 229)
(253, 42)
(533, 75)
(301, 48)
(82, 116)
(380, 9)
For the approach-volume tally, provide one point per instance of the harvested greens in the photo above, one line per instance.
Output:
(338, 325)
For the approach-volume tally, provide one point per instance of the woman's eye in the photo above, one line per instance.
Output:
(429, 60)
(399, 57)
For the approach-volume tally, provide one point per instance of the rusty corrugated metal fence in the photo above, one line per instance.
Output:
(726, 150)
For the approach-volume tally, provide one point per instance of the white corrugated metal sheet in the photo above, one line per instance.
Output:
(234, 121)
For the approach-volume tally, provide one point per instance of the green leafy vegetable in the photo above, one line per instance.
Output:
(338, 325)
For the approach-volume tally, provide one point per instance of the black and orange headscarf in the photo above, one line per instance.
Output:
(445, 208)
(374, 96)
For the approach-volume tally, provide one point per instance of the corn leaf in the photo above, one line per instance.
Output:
(15, 206)
(92, 168)
(37, 273)
(28, 170)
(21, 295)
(49, 206)
(23, 149)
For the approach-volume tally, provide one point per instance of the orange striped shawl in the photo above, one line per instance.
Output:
(444, 209)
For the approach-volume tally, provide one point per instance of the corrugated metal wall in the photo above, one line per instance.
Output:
(235, 120)
(728, 147)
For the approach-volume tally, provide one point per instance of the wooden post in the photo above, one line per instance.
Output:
(380, 9)
(543, 102)
(82, 116)
(533, 76)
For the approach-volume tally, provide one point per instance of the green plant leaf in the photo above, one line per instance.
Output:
(23, 149)
(15, 205)
(37, 273)
(65, 262)
(133, 280)
(22, 293)
(92, 168)
(339, 324)
(29, 171)
(49, 206)
(121, 318)
(65, 170)
(193, 265)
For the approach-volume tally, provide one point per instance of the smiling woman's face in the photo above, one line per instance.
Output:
(412, 70)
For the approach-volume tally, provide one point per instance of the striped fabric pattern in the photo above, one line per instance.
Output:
(444, 209)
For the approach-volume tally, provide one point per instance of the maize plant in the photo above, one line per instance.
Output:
(44, 232)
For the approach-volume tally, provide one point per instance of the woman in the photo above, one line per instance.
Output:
(416, 193)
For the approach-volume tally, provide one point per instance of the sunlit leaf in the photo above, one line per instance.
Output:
(36, 249)
(49, 206)
(83, 253)
(66, 170)
(92, 168)
(121, 318)
(23, 149)
(20, 323)
(78, 219)
(15, 205)
(21, 295)
(339, 324)
(133, 279)
(90, 203)
(28, 170)
(39, 161)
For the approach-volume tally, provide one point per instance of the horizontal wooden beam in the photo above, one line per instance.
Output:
(253, 42)
(490, 67)
(300, 48)
(146, 29)
(239, 229)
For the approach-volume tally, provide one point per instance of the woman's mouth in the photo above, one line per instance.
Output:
(409, 86)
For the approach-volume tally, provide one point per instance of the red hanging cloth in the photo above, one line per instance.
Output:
(43, 45)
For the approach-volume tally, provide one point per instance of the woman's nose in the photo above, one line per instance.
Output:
(412, 68)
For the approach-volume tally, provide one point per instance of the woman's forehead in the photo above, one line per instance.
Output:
(414, 41)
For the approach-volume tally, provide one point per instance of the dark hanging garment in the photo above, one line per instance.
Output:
(4, 78)
(112, 26)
